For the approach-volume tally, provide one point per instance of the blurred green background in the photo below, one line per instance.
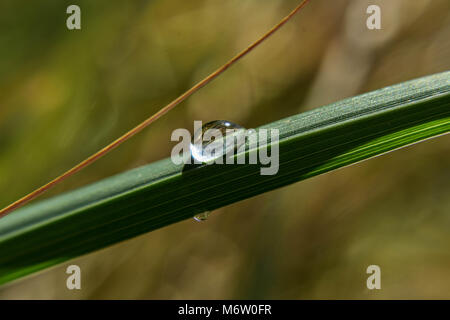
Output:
(65, 94)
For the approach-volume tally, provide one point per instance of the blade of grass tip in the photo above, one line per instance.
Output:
(24, 200)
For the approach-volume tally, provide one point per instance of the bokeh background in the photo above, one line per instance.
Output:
(65, 94)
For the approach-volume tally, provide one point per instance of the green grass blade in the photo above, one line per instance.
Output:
(159, 194)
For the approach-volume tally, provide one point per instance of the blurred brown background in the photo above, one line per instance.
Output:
(65, 94)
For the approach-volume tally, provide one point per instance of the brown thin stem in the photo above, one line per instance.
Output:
(22, 201)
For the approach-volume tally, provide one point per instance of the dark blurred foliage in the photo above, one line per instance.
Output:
(65, 94)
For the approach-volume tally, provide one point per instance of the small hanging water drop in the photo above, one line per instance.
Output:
(201, 216)
(216, 139)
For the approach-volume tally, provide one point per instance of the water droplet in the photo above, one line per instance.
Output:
(216, 139)
(201, 216)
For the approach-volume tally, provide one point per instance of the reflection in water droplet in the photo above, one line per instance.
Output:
(216, 139)
(201, 216)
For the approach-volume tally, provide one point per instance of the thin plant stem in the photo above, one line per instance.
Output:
(94, 157)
